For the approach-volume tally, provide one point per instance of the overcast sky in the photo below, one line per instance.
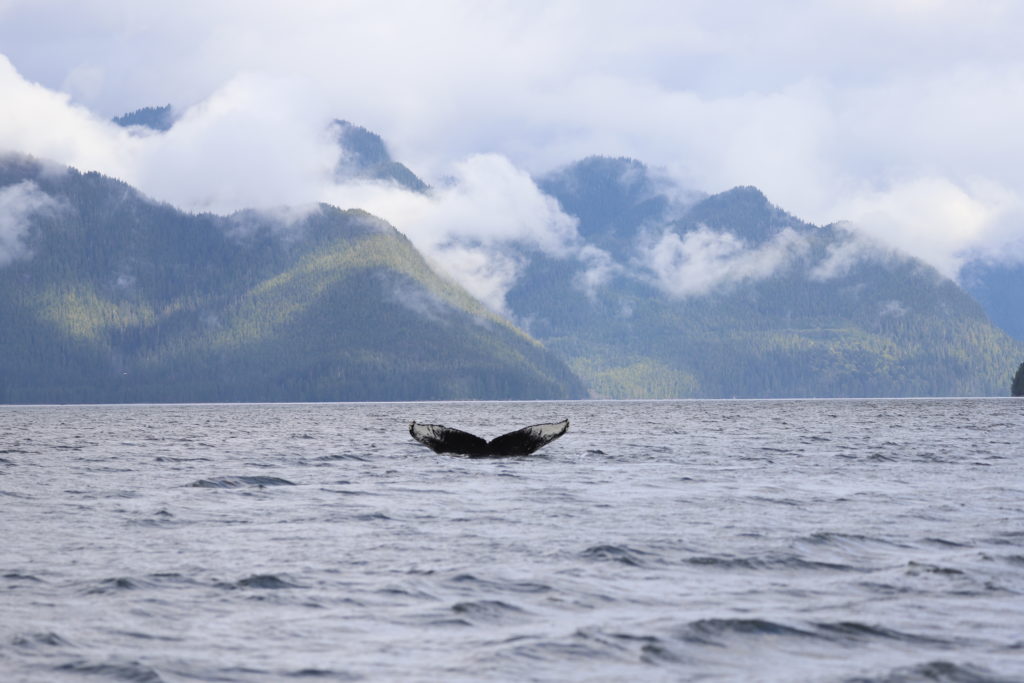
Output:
(902, 116)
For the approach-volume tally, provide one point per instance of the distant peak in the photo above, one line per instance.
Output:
(366, 146)
(366, 154)
(745, 192)
(156, 118)
(613, 168)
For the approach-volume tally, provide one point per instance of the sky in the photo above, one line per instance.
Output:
(899, 116)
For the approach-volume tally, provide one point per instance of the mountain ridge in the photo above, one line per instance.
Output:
(119, 298)
(670, 293)
(729, 295)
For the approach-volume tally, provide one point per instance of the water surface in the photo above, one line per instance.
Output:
(691, 540)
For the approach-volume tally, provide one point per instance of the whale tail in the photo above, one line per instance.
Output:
(441, 439)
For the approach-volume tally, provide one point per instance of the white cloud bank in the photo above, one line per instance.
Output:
(265, 143)
(464, 225)
(703, 260)
(902, 117)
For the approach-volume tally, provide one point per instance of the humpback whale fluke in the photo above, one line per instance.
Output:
(441, 439)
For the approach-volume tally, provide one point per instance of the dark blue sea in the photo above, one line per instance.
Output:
(833, 540)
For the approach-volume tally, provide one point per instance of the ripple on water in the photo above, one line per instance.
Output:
(235, 482)
(489, 612)
(470, 583)
(119, 670)
(769, 562)
(266, 581)
(45, 639)
(114, 585)
(616, 553)
(673, 558)
(937, 670)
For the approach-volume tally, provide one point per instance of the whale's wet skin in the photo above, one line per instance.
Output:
(721, 540)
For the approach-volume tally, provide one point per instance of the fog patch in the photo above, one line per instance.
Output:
(703, 260)
(281, 221)
(599, 269)
(893, 309)
(842, 256)
(486, 272)
(413, 296)
(18, 204)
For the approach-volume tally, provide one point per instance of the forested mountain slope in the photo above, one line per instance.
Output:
(728, 295)
(999, 288)
(107, 296)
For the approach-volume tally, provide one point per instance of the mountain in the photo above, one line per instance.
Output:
(366, 156)
(999, 288)
(108, 296)
(156, 118)
(678, 294)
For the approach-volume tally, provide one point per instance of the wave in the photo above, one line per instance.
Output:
(615, 553)
(839, 540)
(34, 640)
(714, 631)
(114, 585)
(492, 586)
(123, 671)
(939, 670)
(489, 611)
(717, 631)
(171, 458)
(263, 581)
(769, 562)
(855, 631)
(342, 456)
(329, 674)
(235, 482)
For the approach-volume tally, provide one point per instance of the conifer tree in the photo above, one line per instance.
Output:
(1017, 388)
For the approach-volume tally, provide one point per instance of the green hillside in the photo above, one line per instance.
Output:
(879, 324)
(113, 297)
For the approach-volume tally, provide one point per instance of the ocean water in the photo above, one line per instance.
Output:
(838, 540)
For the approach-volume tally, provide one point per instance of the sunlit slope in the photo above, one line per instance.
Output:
(117, 298)
(827, 316)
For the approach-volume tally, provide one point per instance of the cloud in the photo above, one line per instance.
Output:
(702, 260)
(466, 226)
(934, 219)
(43, 123)
(853, 248)
(18, 203)
(787, 98)
(265, 143)
(599, 269)
(257, 142)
